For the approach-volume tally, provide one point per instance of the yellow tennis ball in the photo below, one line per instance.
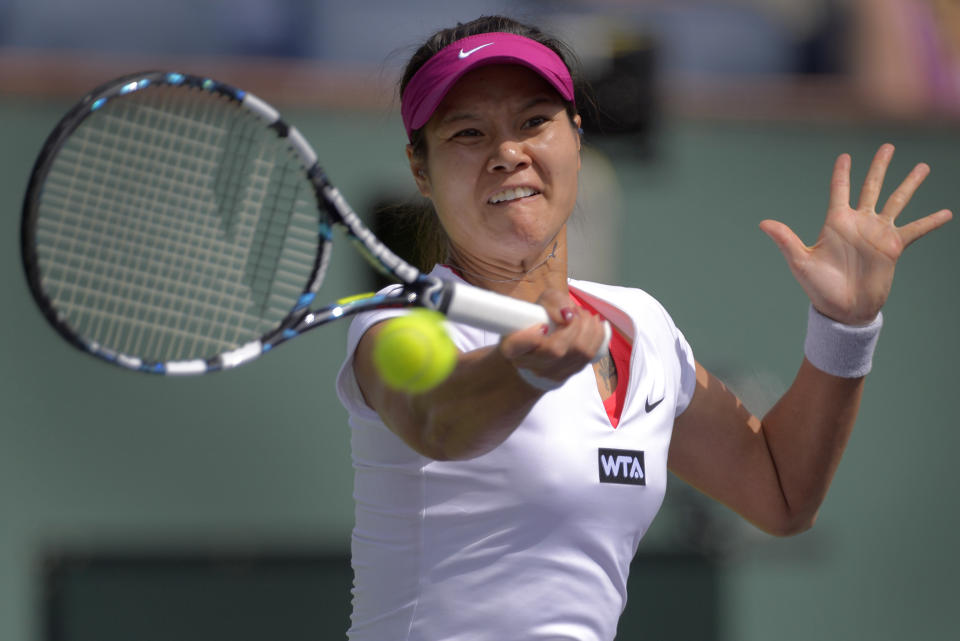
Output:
(413, 353)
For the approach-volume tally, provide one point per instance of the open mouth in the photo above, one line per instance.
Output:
(508, 195)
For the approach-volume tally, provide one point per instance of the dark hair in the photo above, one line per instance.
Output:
(432, 240)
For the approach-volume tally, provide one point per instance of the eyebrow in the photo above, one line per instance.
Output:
(468, 115)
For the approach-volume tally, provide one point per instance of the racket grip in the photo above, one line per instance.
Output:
(502, 314)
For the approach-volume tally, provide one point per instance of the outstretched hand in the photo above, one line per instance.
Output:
(849, 271)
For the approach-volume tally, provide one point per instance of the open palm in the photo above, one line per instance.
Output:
(848, 272)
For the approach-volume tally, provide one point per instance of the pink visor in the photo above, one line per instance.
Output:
(433, 80)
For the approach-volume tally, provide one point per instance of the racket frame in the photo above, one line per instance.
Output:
(458, 301)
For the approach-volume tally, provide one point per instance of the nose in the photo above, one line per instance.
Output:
(508, 156)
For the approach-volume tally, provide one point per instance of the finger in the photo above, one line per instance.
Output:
(522, 342)
(541, 343)
(901, 196)
(840, 183)
(577, 340)
(873, 183)
(587, 334)
(788, 242)
(568, 349)
(559, 307)
(919, 228)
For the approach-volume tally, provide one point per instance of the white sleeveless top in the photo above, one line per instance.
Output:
(534, 539)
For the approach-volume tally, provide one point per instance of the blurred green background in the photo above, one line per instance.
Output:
(203, 497)
(258, 459)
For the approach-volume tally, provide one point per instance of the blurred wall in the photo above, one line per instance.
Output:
(258, 458)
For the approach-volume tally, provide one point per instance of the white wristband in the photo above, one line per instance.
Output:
(838, 349)
(540, 382)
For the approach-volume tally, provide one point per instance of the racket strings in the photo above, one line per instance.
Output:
(173, 226)
(147, 298)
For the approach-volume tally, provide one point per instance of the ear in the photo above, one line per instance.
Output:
(419, 171)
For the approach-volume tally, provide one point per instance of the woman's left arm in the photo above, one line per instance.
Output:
(776, 471)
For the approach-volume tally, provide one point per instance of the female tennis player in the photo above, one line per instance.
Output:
(508, 502)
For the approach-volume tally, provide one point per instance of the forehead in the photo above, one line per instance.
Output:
(500, 84)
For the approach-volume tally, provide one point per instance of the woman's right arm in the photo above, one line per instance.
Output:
(480, 404)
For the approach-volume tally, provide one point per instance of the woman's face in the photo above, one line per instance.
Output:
(501, 165)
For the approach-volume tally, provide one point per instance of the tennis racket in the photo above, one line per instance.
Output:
(174, 224)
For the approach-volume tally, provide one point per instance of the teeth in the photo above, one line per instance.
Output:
(512, 194)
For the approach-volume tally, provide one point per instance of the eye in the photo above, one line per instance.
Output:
(470, 132)
(534, 122)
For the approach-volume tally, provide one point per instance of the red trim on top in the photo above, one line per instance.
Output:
(620, 350)
(455, 271)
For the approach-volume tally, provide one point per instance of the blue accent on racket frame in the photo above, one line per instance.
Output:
(305, 299)
(134, 86)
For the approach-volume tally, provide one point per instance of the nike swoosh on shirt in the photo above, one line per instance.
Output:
(465, 54)
(649, 407)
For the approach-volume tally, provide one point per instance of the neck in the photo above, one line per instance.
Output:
(525, 280)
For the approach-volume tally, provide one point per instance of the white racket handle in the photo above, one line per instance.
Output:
(502, 314)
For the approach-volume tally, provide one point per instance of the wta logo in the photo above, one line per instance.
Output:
(621, 466)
